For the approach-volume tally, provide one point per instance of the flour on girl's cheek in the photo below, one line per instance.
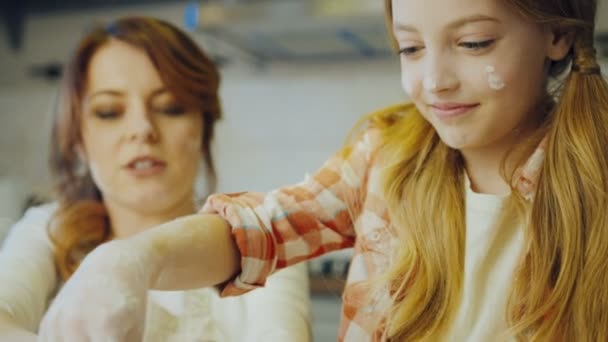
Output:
(494, 80)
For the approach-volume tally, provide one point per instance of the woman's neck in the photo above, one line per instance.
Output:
(127, 221)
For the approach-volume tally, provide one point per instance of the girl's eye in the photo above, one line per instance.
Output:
(477, 45)
(408, 51)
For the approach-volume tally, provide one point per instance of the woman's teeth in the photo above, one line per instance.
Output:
(143, 164)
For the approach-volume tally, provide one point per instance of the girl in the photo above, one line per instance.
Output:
(476, 212)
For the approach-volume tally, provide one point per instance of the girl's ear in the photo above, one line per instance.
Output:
(559, 43)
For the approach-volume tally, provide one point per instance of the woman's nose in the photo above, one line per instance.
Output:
(142, 127)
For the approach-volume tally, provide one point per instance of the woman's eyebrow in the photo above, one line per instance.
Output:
(104, 92)
(157, 92)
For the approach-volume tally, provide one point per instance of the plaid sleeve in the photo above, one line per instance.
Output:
(298, 222)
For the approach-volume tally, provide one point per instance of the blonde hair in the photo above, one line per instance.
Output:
(560, 290)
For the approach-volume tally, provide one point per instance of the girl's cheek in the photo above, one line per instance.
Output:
(407, 84)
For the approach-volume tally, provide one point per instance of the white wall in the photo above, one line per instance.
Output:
(283, 123)
(24, 136)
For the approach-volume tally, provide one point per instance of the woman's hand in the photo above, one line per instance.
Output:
(105, 299)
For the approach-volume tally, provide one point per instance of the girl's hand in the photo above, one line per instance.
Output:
(105, 299)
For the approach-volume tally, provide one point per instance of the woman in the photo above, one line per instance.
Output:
(139, 104)
(477, 212)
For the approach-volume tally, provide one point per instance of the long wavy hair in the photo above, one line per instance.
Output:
(81, 222)
(560, 290)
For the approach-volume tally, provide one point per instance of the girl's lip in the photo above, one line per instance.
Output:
(450, 110)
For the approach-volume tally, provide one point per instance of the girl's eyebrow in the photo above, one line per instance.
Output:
(397, 26)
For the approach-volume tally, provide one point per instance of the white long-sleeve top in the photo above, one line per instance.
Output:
(278, 312)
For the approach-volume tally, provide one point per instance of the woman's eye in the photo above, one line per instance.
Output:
(106, 114)
(408, 51)
(172, 110)
(477, 45)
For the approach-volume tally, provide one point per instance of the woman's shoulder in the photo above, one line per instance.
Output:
(39, 215)
(33, 223)
(41, 212)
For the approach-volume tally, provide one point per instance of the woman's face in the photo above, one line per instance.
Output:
(476, 69)
(141, 145)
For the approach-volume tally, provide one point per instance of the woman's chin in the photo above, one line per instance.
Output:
(154, 201)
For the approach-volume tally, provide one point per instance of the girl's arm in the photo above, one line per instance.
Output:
(299, 222)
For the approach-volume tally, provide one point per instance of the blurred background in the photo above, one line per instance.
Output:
(297, 74)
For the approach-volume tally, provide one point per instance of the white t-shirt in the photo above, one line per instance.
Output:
(278, 312)
(491, 256)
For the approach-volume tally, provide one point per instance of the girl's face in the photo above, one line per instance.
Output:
(476, 69)
(142, 146)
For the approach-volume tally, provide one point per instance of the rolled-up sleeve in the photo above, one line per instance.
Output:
(298, 222)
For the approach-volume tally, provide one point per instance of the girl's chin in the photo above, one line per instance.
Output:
(456, 142)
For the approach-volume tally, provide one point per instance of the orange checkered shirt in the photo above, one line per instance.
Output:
(340, 206)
